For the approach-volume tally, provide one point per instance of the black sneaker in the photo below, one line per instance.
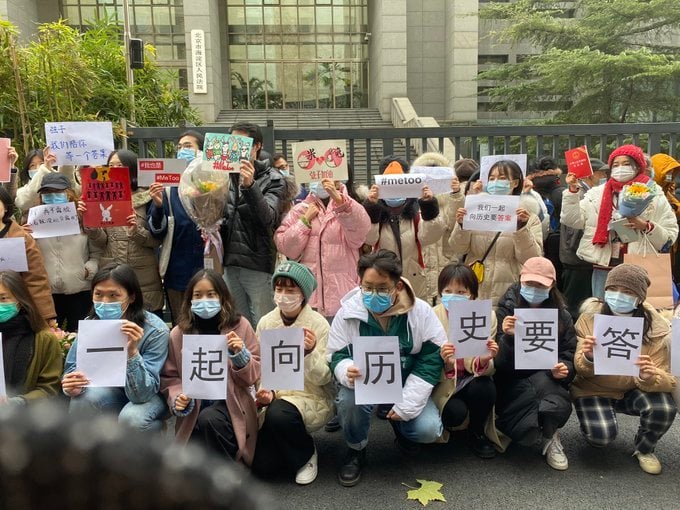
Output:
(481, 446)
(350, 471)
(333, 424)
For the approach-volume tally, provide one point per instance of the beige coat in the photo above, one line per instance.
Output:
(656, 345)
(137, 249)
(315, 402)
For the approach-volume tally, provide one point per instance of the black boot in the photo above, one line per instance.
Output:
(480, 445)
(333, 424)
(406, 446)
(350, 471)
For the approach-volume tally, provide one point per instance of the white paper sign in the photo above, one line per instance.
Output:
(3, 388)
(488, 161)
(470, 327)
(675, 347)
(53, 220)
(535, 338)
(13, 254)
(102, 352)
(204, 367)
(379, 362)
(401, 185)
(491, 213)
(163, 171)
(80, 143)
(282, 359)
(618, 341)
(438, 178)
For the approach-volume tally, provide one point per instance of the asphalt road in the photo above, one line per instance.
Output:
(518, 479)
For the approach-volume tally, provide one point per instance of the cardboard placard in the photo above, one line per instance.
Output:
(107, 195)
(314, 160)
(163, 171)
(224, 151)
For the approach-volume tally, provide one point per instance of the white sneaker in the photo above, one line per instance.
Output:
(307, 473)
(648, 462)
(554, 453)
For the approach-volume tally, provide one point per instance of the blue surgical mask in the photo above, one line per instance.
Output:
(448, 298)
(54, 198)
(534, 295)
(395, 202)
(205, 308)
(620, 302)
(317, 189)
(499, 187)
(285, 173)
(186, 153)
(108, 311)
(377, 303)
(32, 173)
(8, 311)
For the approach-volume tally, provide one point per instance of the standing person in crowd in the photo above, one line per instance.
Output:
(116, 295)
(71, 261)
(404, 226)
(600, 205)
(280, 163)
(134, 244)
(532, 405)
(186, 255)
(31, 354)
(465, 390)
(597, 398)
(14, 173)
(325, 233)
(386, 305)
(227, 427)
(36, 277)
(501, 253)
(284, 443)
(576, 283)
(257, 197)
(667, 174)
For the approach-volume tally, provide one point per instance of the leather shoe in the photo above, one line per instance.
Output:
(350, 471)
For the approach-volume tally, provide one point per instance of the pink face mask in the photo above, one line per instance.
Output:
(288, 303)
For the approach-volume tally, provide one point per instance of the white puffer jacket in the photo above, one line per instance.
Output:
(71, 262)
(583, 214)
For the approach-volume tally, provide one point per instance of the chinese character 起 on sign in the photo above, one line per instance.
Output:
(204, 366)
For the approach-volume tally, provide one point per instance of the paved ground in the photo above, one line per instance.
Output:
(518, 479)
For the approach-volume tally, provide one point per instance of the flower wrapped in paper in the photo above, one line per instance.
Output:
(204, 193)
(634, 198)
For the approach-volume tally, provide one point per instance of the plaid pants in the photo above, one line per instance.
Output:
(597, 416)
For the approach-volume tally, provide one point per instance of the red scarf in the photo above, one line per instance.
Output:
(612, 186)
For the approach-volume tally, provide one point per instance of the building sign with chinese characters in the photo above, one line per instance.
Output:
(80, 143)
(618, 342)
(379, 362)
(198, 62)
(282, 362)
(204, 366)
(536, 338)
(470, 327)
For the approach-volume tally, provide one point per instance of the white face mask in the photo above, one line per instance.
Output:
(623, 173)
(287, 303)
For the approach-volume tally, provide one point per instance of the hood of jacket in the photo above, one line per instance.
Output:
(663, 163)
(353, 303)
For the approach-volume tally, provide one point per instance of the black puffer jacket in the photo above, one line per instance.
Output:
(249, 227)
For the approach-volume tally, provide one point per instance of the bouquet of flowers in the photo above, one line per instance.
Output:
(635, 198)
(204, 193)
(65, 339)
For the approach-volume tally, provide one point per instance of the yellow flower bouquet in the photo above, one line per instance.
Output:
(635, 198)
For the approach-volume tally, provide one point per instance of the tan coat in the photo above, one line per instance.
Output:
(240, 402)
(315, 402)
(656, 345)
(137, 250)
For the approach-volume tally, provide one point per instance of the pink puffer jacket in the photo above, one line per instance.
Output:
(330, 249)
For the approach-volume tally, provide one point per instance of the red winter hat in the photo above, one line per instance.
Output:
(632, 151)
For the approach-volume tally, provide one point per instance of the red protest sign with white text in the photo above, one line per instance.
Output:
(578, 162)
(107, 195)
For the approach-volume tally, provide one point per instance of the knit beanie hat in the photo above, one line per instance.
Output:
(394, 164)
(631, 277)
(299, 273)
(632, 151)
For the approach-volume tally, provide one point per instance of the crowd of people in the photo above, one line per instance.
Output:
(340, 262)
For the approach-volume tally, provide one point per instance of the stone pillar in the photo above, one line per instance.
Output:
(462, 40)
(23, 14)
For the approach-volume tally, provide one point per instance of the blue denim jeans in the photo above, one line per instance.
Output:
(252, 292)
(356, 420)
(598, 281)
(146, 416)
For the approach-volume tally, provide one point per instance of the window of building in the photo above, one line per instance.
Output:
(492, 59)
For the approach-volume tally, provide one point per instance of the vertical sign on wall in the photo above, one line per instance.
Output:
(198, 65)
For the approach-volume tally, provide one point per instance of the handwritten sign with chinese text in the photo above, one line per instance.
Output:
(80, 143)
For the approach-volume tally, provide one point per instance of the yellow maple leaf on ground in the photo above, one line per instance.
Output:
(428, 491)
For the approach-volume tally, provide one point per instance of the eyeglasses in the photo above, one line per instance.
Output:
(381, 291)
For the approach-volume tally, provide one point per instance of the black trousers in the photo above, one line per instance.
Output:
(283, 443)
(72, 308)
(215, 431)
(476, 398)
(576, 287)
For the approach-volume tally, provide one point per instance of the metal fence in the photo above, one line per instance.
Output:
(470, 141)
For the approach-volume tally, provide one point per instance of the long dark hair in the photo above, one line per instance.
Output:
(460, 273)
(23, 171)
(512, 171)
(7, 201)
(229, 317)
(639, 311)
(124, 276)
(15, 284)
(350, 184)
(128, 159)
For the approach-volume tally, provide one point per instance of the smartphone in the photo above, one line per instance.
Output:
(626, 234)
